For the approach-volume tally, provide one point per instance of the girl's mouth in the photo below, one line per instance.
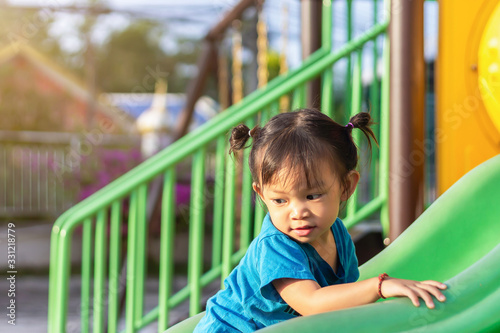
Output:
(303, 231)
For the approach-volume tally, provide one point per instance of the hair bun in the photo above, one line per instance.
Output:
(361, 120)
(364, 121)
(239, 137)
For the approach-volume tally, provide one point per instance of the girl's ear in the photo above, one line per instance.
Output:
(257, 190)
(351, 181)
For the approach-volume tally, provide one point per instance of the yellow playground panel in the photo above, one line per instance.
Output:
(468, 87)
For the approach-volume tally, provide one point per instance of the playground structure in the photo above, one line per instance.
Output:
(468, 88)
(433, 242)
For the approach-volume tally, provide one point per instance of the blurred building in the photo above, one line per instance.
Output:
(135, 104)
(58, 144)
(39, 95)
(158, 114)
(53, 135)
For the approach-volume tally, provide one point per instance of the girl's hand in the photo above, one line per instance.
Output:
(392, 287)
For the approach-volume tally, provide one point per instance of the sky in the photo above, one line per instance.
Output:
(194, 18)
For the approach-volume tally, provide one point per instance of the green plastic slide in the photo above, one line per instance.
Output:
(457, 241)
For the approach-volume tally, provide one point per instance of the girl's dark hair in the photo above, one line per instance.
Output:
(300, 140)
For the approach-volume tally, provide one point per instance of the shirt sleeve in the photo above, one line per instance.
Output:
(280, 257)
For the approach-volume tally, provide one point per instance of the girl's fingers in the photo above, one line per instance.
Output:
(424, 294)
(433, 289)
(424, 290)
(413, 296)
(436, 284)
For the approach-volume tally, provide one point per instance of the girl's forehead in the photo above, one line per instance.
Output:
(297, 177)
(293, 185)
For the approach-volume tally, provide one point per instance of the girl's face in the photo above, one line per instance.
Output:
(306, 214)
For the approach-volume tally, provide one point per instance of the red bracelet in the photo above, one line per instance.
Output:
(381, 278)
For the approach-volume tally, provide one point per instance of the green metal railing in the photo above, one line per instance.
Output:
(206, 150)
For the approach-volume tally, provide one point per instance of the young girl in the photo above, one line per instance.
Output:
(303, 261)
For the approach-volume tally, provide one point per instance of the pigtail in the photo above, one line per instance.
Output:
(363, 121)
(239, 137)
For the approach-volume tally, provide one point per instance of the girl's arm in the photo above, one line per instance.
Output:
(307, 297)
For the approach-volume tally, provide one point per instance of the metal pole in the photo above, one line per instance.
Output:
(311, 41)
(206, 63)
(407, 86)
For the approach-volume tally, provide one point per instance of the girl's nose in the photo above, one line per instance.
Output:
(299, 210)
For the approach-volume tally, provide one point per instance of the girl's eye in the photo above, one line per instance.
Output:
(278, 201)
(313, 196)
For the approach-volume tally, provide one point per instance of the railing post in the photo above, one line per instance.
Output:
(86, 272)
(53, 303)
(246, 198)
(62, 280)
(355, 108)
(100, 256)
(115, 240)
(196, 226)
(220, 152)
(229, 215)
(131, 264)
(140, 249)
(166, 248)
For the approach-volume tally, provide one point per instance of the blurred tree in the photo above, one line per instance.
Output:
(131, 60)
(273, 64)
(32, 26)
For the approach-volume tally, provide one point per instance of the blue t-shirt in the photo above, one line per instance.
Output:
(250, 301)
